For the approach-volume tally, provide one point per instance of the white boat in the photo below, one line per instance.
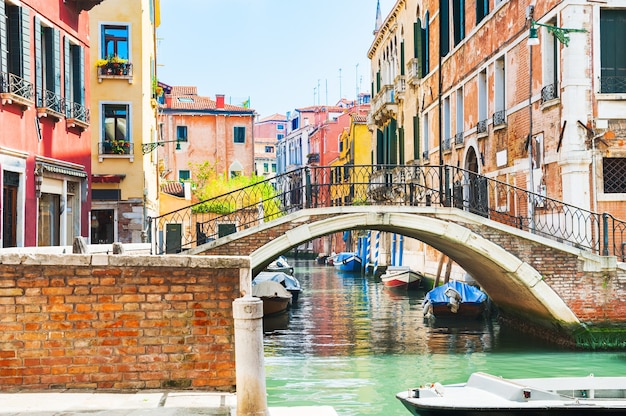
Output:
(280, 265)
(401, 277)
(275, 297)
(485, 394)
(288, 281)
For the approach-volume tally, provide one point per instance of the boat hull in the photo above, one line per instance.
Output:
(401, 280)
(347, 262)
(484, 394)
(455, 299)
(274, 305)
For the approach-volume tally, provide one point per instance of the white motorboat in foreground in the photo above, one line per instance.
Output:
(485, 394)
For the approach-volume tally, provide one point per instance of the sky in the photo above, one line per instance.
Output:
(281, 54)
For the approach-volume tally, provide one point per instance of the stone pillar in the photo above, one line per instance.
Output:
(249, 364)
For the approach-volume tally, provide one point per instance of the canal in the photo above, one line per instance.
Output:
(352, 344)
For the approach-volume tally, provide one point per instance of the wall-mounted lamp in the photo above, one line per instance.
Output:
(148, 147)
(561, 33)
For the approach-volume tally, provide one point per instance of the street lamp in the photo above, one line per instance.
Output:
(149, 147)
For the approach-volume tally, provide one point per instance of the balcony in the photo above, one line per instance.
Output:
(50, 105)
(447, 144)
(549, 93)
(16, 90)
(115, 70)
(77, 115)
(458, 139)
(384, 106)
(613, 85)
(481, 128)
(499, 119)
(115, 149)
(400, 86)
(313, 158)
(413, 75)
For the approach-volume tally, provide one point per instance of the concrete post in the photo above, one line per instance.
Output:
(249, 364)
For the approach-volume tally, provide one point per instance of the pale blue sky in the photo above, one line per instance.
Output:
(273, 51)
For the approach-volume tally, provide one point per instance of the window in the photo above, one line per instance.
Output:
(280, 127)
(48, 67)
(499, 117)
(115, 41)
(239, 134)
(269, 149)
(74, 70)
(17, 47)
(10, 195)
(425, 136)
(273, 167)
(458, 16)
(280, 136)
(184, 175)
(266, 167)
(459, 117)
(102, 226)
(550, 68)
(181, 133)
(614, 174)
(115, 127)
(482, 99)
(482, 10)
(446, 123)
(612, 57)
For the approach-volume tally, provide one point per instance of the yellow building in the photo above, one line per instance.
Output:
(124, 119)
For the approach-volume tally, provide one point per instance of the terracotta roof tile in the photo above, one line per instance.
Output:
(187, 98)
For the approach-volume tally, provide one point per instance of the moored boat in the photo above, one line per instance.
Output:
(275, 297)
(280, 265)
(347, 262)
(401, 278)
(455, 299)
(485, 394)
(288, 281)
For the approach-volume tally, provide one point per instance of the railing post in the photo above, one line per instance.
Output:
(307, 179)
(447, 197)
(605, 237)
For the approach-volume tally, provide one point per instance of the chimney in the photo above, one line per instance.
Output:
(219, 101)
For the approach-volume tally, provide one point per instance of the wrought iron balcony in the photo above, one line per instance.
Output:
(16, 90)
(499, 118)
(481, 127)
(116, 147)
(116, 70)
(50, 105)
(77, 115)
(447, 143)
(612, 85)
(549, 92)
(425, 155)
(458, 138)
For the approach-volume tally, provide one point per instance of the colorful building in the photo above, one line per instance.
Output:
(124, 114)
(267, 132)
(45, 144)
(528, 93)
(199, 130)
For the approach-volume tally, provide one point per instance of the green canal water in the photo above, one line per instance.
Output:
(352, 344)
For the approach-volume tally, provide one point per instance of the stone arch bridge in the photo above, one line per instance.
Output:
(535, 282)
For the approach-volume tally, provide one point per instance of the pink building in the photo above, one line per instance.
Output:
(267, 132)
(45, 144)
(205, 130)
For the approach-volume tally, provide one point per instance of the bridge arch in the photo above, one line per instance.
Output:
(514, 285)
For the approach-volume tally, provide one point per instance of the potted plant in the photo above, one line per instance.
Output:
(113, 65)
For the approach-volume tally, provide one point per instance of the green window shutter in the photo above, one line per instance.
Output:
(79, 75)
(393, 142)
(444, 27)
(426, 45)
(67, 93)
(380, 147)
(25, 36)
(402, 58)
(416, 137)
(401, 146)
(56, 58)
(38, 64)
(377, 82)
(417, 36)
(459, 21)
(4, 67)
(419, 47)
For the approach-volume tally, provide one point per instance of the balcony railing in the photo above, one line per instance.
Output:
(14, 89)
(612, 85)
(400, 85)
(413, 72)
(77, 115)
(481, 127)
(447, 143)
(458, 138)
(116, 70)
(499, 118)
(549, 92)
(50, 104)
(313, 158)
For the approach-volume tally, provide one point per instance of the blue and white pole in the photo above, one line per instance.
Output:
(376, 252)
(368, 249)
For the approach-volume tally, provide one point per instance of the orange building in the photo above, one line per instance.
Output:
(201, 130)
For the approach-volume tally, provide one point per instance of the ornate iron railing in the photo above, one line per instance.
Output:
(549, 92)
(499, 118)
(12, 84)
(77, 111)
(407, 185)
(481, 127)
(612, 85)
(48, 100)
(458, 138)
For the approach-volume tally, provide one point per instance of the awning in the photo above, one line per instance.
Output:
(62, 170)
(107, 178)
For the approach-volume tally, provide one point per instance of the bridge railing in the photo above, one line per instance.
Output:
(414, 185)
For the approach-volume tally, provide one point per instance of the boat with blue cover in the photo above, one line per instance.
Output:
(347, 262)
(454, 298)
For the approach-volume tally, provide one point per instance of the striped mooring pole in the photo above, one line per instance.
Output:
(376, 251)
(368, 249)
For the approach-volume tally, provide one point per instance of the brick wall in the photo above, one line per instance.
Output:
(118, 322)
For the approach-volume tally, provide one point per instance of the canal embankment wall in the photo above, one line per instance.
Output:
(122, 322)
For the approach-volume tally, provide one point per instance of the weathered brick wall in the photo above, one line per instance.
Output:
(118, 322)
